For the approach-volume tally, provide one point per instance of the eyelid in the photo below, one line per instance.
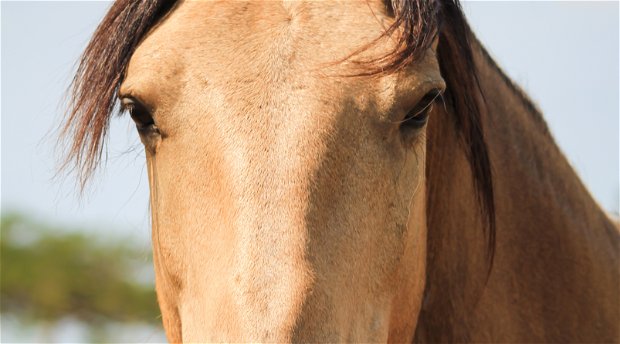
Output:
(126, 102)
(130, 101)
(427, 100)
(432, 96)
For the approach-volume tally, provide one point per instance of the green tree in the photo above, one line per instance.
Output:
(48, 274)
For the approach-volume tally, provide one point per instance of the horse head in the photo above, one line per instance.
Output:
(286, 149)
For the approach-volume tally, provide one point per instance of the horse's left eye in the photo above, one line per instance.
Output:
(417, 117)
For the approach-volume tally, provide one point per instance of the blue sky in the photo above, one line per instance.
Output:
(564, 54)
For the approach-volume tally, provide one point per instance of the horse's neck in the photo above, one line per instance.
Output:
(555, 274)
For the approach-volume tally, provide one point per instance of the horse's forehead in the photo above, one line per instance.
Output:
(236, 37)
(230, 19)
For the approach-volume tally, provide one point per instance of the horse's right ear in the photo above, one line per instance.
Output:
(92, 93)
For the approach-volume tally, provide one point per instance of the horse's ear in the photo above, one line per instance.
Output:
(92, 94)
(466, 99)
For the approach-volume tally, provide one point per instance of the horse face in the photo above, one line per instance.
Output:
(287, 196)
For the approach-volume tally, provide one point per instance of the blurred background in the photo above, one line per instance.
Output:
(78, 268)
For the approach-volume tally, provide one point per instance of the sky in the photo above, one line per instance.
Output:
(564, 55)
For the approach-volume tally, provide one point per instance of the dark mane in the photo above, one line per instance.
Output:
(92, 94)
(417, 23)
(465, 95)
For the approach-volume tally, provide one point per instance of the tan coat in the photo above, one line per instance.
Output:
(297, 193)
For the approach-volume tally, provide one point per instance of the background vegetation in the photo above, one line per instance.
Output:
(50, 274)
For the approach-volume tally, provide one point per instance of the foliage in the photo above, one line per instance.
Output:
(47, 274)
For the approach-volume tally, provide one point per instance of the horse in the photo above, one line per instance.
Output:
(353, 171)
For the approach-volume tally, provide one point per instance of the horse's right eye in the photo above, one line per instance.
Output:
(140, 115)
